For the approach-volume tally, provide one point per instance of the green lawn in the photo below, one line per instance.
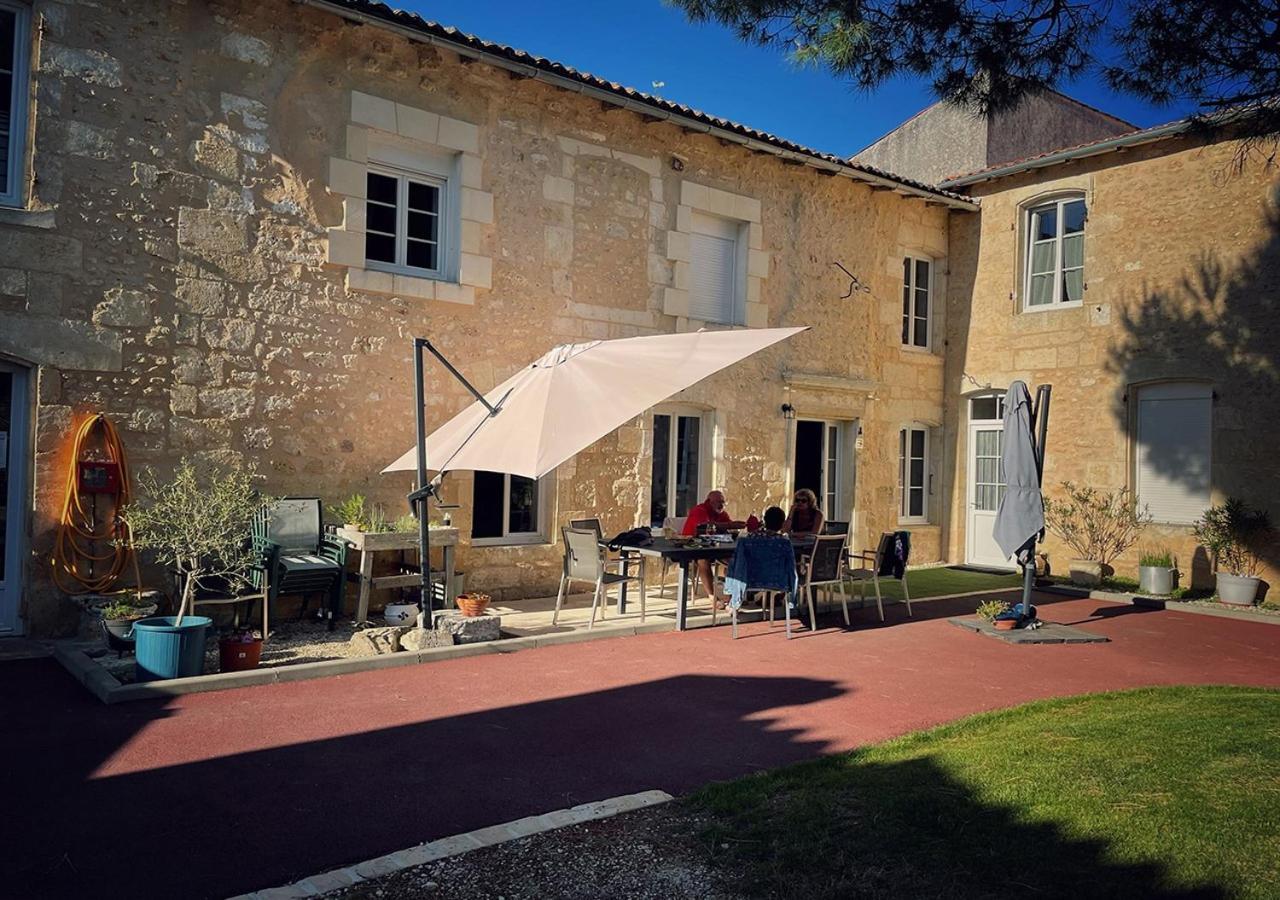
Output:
(1161, 792)
(940, 581)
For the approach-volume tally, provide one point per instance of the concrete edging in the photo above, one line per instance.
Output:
(109, 690)
(1193, 609)
(490, 836)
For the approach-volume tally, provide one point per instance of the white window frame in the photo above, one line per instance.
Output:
(904, 475)
(518, 538)
(709, 223)
(20, 85)
(909, 288)
(831, 502)
(403, 178)
(1028, 213)
(704, 452)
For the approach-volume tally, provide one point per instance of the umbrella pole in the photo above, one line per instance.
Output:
(421, 496)
(1040, 425)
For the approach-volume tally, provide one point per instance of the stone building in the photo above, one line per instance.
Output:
(224, 221)
(231, 218)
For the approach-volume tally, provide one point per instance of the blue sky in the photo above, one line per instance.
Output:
(638, 42)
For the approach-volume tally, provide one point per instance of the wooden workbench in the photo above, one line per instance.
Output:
(371, 544)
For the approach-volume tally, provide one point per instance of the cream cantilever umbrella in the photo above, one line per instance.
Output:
(576, 394)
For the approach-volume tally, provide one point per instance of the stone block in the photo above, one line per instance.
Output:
(675, 302)
(353, 214)
(477, 271)
(373, 111)
(470, 168)
(682, 276)
(246, 48)
(89, 66)
(678, 246)
(346, 248)
(371, 281)
(200, 296)
(123, 308)
(757, 315)
(458, 135)
(754, 289)
(477, 206)
(206, 229)
(448, 292)
(468, 629)
(416, 288)
(357, 144)
(747, 209)
(755, 236)
(693, 195)
(379, 641)
(88, 141)
(350, 179)
(557, 189)
(684, 218)
(417, 124)
(423, 639)
(758, 263)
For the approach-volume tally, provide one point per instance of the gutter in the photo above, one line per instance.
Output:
(649, 111)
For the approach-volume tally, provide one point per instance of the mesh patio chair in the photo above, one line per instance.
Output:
(833, 527)
(584, 560)
(824, 570)
(594, 525)
(300, 557)
(879, 560)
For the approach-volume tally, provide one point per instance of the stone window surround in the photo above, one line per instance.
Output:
(1080, 187)
(16, 176)
(931, 440)
(347, 178)
(715, 202)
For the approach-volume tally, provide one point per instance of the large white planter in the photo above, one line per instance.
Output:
(1155, 580)
(400, 613)
(1085, 572)
(1238, 590)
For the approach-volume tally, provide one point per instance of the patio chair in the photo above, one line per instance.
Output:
(832, 527)
(300, 557)
(764, 566)
(594, 525)
(584, 560)
(882, 560)
(676, 524)
(824, 568)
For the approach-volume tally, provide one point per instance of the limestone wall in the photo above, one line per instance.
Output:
(1181, 267)
(186, 266)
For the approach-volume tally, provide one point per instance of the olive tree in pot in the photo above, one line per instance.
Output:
(1097, 525)
(198, 525)
(1234, 533)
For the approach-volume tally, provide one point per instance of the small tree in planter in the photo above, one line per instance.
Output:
(1097, 525)
(198, 524)
(1234, 534)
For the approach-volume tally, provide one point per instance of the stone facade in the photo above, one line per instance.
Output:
(188, 264)
(1182, 273)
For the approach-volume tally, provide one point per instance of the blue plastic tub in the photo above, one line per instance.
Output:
(165, 650)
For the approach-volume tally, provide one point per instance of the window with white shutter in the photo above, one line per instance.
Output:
(1174, 439)
(716, 270)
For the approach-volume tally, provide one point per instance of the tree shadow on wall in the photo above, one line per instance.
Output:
(1218, 323)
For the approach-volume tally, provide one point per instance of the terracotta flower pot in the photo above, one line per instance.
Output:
(473, 604)
(1006, 624)
(236, 655)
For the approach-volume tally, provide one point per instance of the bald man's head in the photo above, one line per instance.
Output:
(715, 501)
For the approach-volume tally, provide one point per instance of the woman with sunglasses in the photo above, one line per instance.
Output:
(805, 518)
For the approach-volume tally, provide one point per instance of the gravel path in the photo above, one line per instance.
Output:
(651, 853)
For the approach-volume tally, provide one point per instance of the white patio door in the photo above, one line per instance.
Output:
(986, 487)
(13, 485)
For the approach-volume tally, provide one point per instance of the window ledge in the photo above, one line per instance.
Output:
(920, 523)
(515, 540)
(1052, 307)
(27, 218)
(924, 352)
(417, 287)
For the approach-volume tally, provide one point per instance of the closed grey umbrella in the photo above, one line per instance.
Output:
(1020, 518)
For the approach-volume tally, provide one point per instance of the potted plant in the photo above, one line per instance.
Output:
(1233, 533)
(239, 650)
(118, 617)
(353, 513)
(1156, 571)
(473, 603)
(988, 609)
(197, 524)
(1097, 525)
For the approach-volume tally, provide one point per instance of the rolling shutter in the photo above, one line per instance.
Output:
(713, 246)
(1175, 433)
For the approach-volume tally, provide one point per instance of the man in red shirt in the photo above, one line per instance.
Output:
(710, 512)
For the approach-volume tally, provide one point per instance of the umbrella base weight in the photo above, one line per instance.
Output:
(1047, 633)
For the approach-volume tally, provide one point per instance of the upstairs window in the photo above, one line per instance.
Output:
(403, 216)
(917, 279)
(14, 27)
(718, 270)
(1055, 253)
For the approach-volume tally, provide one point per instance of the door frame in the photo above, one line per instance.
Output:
(846, 459)
(971, 450)
(16, 503)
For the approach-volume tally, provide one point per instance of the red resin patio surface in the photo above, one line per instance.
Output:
(210, 795)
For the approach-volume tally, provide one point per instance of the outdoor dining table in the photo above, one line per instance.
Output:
(683, 554)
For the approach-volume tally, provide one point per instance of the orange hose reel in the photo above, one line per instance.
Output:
(97, 492)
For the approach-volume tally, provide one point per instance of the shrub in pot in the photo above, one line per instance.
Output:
(117, 622)
(197, 524)
(1156, 571)
(1234, 533)
(1097, 525)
